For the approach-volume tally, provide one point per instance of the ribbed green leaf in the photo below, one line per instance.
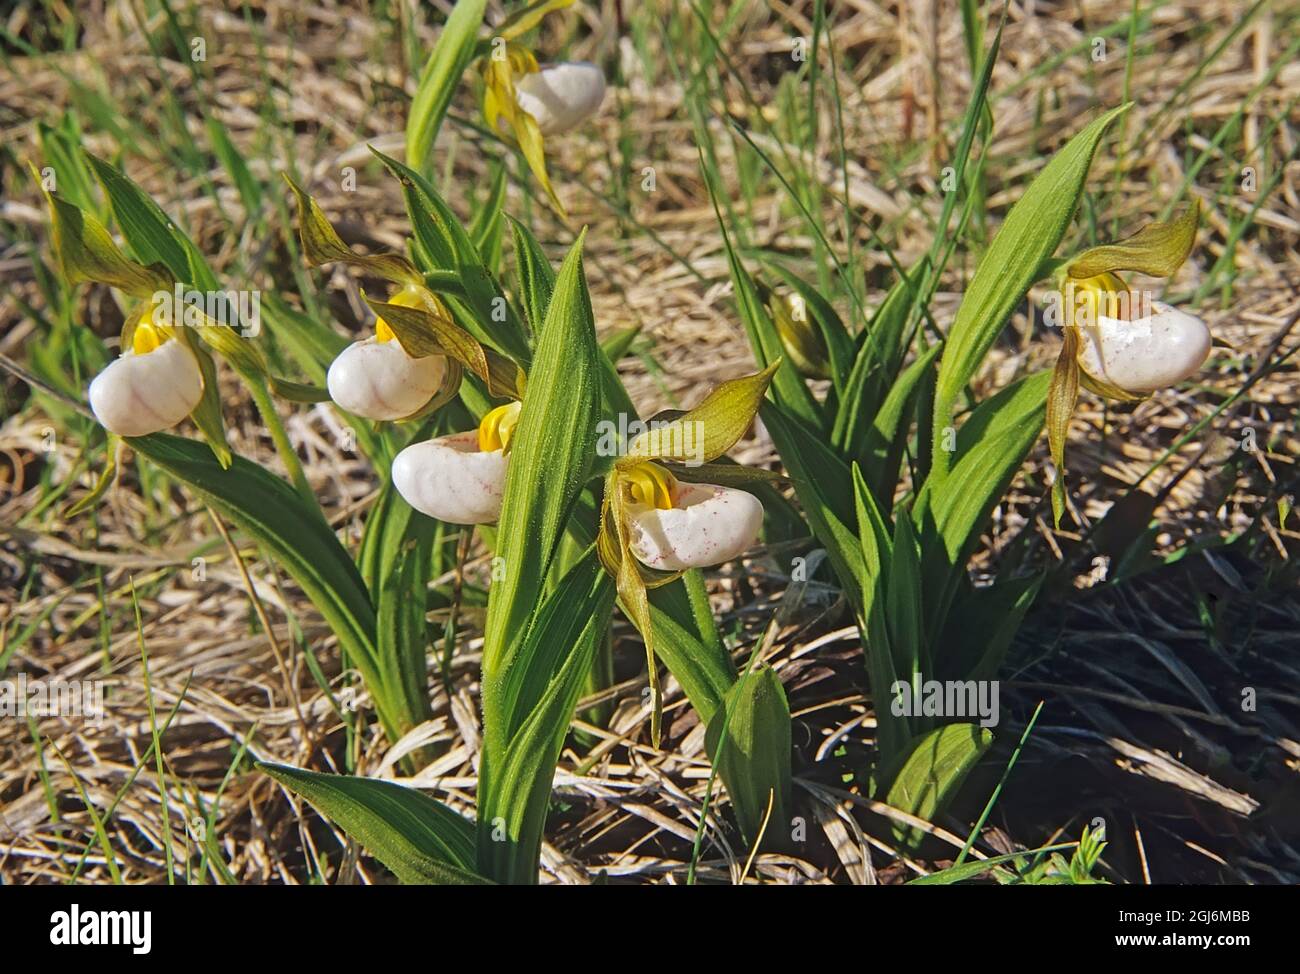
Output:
(980, 626)
(488, 226)
(531, 715)
(420, 839)
(877, 554)
(903, 619)
(970, 870)
(788, 387)
(152, 235)
(824, 486)
(936, 766)
(442, 73)
(297, 538)
(753, 758)
(551, 456)
(704, 669)
(536, 278)
(401, 632)
(886, 439)
(880, 354)
(991, 446)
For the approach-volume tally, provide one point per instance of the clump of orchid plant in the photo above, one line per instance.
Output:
(1118, 344)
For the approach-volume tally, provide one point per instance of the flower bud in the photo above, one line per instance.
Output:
(451, 479)
(561, 96)
(800, 337)
(706, 525)
(1145, 354)
(152, 387)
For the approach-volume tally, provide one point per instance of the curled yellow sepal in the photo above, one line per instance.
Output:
(86, 252)
(631, 578)
(321, 244)
(429, 330)
(1062, 395)
(524, 20)
(1157, 250)
(710, 429)
(500, 101)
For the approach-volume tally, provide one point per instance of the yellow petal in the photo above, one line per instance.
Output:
(322, 245)
(529, 137)
(650, 484)
(1158, 249)
(710, 429)
(636, 603)
(498, 426)
(1061, 398)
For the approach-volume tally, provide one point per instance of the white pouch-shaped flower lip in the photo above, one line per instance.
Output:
(145, 393)
(707, 525)
(451, 479)
(1146, 354)
(378, 380)
(561, 96)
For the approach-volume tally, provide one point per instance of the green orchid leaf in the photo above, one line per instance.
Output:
(552, 452)
(749, 741)
(932, 773)
(297, 537)
(442, 74)
(420, 839)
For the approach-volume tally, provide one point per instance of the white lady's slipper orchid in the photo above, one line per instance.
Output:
(654, 527)
(1145, 354)
(1112, 345)
(461, 478)
(153, 386)
(531, 101)
(706, 525)
(561, 96)
(376, 379)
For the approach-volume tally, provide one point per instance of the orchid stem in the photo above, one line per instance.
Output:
(288, 456)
